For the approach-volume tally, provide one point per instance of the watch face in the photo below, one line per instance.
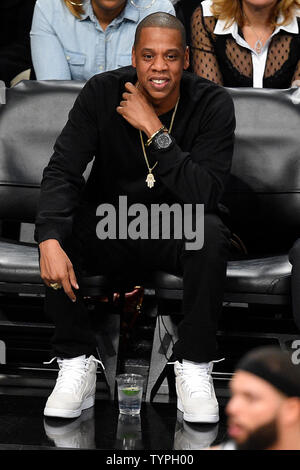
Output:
(163, 140)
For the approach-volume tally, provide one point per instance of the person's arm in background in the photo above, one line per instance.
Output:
(48, 57)
(184, 10)
(296, 77)
(15, 23)
(204, 61)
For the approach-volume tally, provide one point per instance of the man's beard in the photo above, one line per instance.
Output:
(262, 438)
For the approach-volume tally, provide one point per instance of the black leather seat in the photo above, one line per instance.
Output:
(266, 276)
(20, 273)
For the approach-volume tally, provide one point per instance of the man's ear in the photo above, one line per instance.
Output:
(133, 59)
(186, 63)
(291, 411)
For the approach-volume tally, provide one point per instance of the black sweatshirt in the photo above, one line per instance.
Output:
(193, 169)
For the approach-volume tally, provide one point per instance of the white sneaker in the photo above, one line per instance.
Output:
(75, 387)
(196, 397)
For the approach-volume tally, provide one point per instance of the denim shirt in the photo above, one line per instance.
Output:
(64, 47)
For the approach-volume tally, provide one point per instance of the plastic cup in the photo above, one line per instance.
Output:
(130, 393)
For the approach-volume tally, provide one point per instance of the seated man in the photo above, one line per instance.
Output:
(121, 118)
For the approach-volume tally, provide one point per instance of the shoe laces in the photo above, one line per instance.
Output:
(197, 378)
(72, 372)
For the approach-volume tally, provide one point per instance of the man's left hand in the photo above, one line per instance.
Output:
(137, 110)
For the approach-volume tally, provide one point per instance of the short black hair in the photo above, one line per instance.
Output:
(160, 20)
(274, 366)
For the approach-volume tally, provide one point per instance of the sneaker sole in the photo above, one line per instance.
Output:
(199, 418)
(61, 413)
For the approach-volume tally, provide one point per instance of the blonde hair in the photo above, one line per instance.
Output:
(231, 11)
(76, 10)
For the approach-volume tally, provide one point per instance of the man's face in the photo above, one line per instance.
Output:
(109, 5)
(159, 58)
(253, 411)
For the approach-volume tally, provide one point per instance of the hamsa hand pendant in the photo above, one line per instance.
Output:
(150, 180)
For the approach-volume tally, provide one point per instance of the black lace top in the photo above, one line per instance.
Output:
(219, 58)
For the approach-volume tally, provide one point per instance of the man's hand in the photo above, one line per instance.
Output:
(137, 110)
(295, 83)
(55, 266)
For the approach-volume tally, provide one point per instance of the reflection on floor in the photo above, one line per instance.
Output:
(25, 382)
(159, 427)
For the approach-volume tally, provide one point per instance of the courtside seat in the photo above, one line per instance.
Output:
(20, 273)
(249, 280)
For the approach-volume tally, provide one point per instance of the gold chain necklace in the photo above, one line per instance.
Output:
(150, 180)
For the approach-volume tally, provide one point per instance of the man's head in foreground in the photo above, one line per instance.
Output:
(264, 410)
(160, 55)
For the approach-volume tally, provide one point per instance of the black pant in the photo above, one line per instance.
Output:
(204, 274)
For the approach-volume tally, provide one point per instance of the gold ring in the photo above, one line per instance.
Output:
(55, 285)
